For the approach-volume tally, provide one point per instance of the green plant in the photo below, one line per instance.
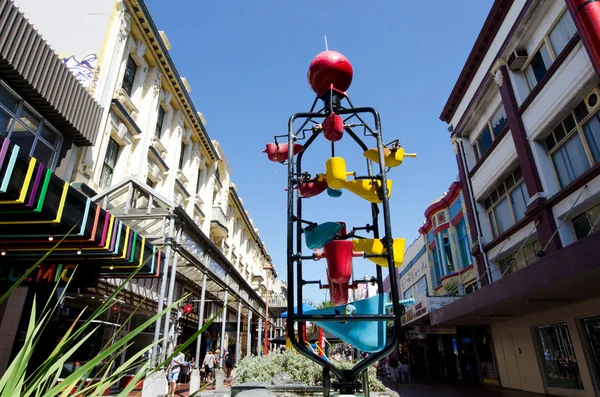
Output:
(43, 381)
(300, 369)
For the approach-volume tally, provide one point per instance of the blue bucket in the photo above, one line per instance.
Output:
(368, 336)
(333, 192)
(317, 236)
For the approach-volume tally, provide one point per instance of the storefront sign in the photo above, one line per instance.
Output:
(411, 334)
(50, 274)
(434, 330)
(424, 306)
(418, 310)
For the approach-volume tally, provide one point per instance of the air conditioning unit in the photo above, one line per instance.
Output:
(517, 59)
(592, 100)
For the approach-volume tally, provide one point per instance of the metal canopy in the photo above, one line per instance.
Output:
(146, 211)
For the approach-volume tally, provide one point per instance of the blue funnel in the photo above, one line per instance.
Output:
(319, 235)
(368, 336)
(333, 192)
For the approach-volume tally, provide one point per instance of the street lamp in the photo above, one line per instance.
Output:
(266, 348)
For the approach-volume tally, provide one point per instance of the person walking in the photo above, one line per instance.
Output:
(228, 363)
(209, 363)
(394, 363)
(173, 371)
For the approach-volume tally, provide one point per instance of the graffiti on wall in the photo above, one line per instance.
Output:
(86, 70)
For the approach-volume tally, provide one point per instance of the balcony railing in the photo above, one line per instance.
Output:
(277, 301)
(219, 216)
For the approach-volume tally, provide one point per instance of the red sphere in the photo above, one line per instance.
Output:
(327, 68)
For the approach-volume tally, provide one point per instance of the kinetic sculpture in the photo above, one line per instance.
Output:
(361, 323)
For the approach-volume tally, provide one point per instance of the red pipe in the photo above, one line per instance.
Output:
(586, 15)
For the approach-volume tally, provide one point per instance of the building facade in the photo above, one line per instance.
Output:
(524, 118)
(438, 269)
(140, 150)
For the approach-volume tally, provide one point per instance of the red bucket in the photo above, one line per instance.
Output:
(338, 293)
(339, 260)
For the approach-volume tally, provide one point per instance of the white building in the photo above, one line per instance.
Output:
(154, 165)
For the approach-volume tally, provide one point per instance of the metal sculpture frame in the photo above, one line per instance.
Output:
(347, 379)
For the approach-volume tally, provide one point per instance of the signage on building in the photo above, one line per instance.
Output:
(48, 274)
(415, 273)
(424, 306)
(411, 334)
(434, 330)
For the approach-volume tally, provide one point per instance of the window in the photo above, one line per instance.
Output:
(417, 290)
(129, 77)
(25, 128)
(159, 121)
(490, 132)
(182, 156)
(110, 161)
(506, 205)
(587, 222)
(552, 45)
(591, 328)
(463, 244)
(436, 265)
(446, 253)
(150, 182)
(199, 181)
(574, 145)
(556, 353)
(520, 259)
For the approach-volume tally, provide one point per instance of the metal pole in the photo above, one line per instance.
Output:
(223, 327)
(259, 344)
(163, 284)
(167, 343)
(266, 349)
(249, 333)
(201, 318)
(238, 347)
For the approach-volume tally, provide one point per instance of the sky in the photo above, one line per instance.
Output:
(246, 63)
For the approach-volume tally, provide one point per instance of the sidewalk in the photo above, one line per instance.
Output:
(183, 391)
(459, 390)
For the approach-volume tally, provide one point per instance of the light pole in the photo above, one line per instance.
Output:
(266, 348)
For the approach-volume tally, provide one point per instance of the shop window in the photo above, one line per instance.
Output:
(129, 76)
(556, 353)
(110, 162)
(551, 46)
(490, 132)
(520, 259)
(25, 128)
(506, 205)
(574, 145)
(587, 222)
(463, 244)
(160, 118)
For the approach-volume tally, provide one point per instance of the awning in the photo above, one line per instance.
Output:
(38, 209)
(564, 277)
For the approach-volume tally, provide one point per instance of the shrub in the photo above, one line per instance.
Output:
(300, 369)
